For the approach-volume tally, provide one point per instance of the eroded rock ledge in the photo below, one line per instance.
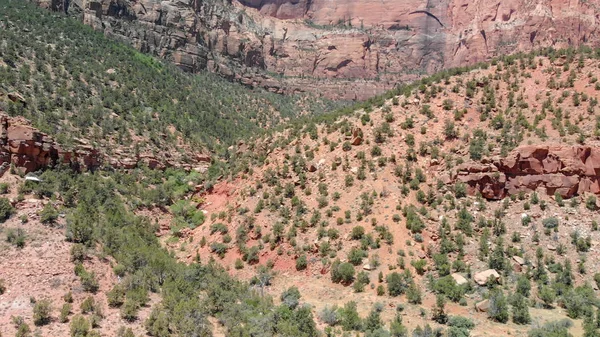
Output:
(29, 150)
(566, 170)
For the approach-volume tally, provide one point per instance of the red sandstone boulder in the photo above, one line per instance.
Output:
(490, 185)
(589, 184)
(483, 306)
(592, 163)
(357, 137)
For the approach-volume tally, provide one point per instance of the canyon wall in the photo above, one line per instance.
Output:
(337, 48)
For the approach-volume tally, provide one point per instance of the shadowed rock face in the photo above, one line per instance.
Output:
(338, 48)
(567, 170)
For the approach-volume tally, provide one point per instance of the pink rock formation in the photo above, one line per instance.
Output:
(567, 170)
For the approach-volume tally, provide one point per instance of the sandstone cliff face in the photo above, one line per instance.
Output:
(566, 170)
(339, 48)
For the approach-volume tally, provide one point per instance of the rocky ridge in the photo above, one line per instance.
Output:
(349, 50)
(566, 170)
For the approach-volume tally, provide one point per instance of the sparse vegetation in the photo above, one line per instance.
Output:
(16, 236)
(354, 185)
(41, 312)
(6, 209)
(90, 63)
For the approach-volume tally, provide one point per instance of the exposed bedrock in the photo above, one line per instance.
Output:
(566, 170)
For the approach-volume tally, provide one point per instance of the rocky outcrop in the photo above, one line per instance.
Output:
(566, 170)
(459, 279)
(338, 48)
(482, 278)
(483, 306)
(29, 150)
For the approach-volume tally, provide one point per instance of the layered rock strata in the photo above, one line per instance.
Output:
(29, 150)
(338, 48)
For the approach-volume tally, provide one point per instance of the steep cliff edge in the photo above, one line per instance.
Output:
(341, 49)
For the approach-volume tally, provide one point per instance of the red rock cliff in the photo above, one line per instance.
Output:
(340, 48)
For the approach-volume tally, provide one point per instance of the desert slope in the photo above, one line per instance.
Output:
(454, 176)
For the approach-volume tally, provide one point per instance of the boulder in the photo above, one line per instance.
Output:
(490, 185)
(517, 268)
(482, 278)
(368, 267)
(483, 306)
(312, 167)
(16, 97)
(519, 260)
(566, 170)
(459, 279)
